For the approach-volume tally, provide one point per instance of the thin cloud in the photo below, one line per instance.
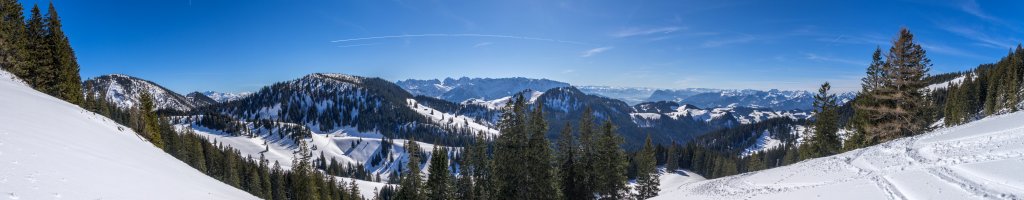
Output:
(728, 41)
(595, 51)
(942, 49)
(816, 57)
(461, 35)
(482, 44)
(982, 38)
(630, 32)
(357, 45)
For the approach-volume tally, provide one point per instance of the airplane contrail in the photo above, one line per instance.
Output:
(463, 35)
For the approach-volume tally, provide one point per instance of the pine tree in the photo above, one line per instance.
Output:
(412, 182)
(439, 182)
(151, 129)
(541, 182)
(864, 103)
(672, 158)
(898, 106)
(567, 155)
(586, 162)
(68, 86)
(41, 72)
(304, 185)
(13, 39)
(825, 142)
(611, 164)
(647, 172)
(510, 152)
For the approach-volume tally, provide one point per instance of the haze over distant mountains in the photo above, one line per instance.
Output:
(486, 89)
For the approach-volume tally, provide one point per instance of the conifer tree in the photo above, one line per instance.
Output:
(586, 162)
(898, 106)
(13, 39)
(567, 155)
(672, 158)
(611, 164)
(541, 182)
(510, 152)
(68, 86)
(41, 72)
(825, 142)
(647, 180)
(305, 177)
(412, 181)
(439, 182)
(151, 129)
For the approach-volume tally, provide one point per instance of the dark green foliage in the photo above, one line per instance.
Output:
(825, 142)
(672, 158)
(647, 180)
(38, 52)
(411, 187)
(68, 81)
(610, 165)
(149, 120)
(439, 183)
(896, 105)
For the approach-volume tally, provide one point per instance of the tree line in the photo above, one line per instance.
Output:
(37, 51)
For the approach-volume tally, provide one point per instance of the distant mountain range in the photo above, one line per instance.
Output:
(489, 89)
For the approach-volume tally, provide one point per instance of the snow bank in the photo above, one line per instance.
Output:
(50, 149)
(979, 160)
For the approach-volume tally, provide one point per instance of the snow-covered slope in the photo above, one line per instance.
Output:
(124, 91)
(224, 96)
(979, 160)
(50, 149)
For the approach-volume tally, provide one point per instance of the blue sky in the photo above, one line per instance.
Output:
(238, 46)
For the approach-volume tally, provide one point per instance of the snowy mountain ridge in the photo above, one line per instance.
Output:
(125, 91)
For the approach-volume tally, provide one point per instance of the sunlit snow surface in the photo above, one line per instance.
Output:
(979, 160)
(50, 149)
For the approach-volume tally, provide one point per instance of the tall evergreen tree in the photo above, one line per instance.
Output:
(68, 86)
(305, 177)
(567, 155)
(611, 164)
(586, 162)
(899, 107)
(647, 180)
(13, 39)
(412, 182)
(672, 158)
(825, 142)
(439, 182)
(541, 182)
(41, 72)
(150, 121)
(510, 153)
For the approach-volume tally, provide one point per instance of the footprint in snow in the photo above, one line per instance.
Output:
(12, 196)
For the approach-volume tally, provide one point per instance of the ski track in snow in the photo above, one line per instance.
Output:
(971, 161)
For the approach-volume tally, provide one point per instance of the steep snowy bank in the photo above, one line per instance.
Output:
(50, 149)
(979, 160)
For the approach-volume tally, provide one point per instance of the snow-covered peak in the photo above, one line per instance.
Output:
(222, 97)
(125, 92)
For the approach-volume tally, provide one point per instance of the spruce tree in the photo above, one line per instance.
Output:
(41, 72)
(305, 177)
(439, 182)
(510, 153)
(647, 179)
(672, 158)
(151, 129)
(68, 86)
(825, 142)
(586, 162)
(13, 39)
(898, 106)
(611, 164)
(542, 181)
(411, 183)
(567, 153)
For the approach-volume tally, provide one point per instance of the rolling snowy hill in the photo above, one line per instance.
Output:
(50, 149)
(979, 160)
